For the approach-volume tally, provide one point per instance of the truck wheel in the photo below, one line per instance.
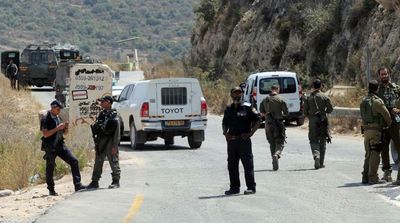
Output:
(169, 141)
(193, 144)
(395, 155)
(300, 121)
(133, 138)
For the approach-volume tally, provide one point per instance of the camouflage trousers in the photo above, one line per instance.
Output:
(276, 144)
(372, 145)
(105, 151)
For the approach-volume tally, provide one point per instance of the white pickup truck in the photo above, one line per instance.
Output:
(165, 108)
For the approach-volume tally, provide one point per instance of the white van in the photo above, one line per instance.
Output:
(165, 108)
(258, 86)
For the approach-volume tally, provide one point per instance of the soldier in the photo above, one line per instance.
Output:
(390, 93)
(375, 117)
(240, 122)
(274, 108)
(106, 134)
(316, 106)
(12, 72)
(53, 128)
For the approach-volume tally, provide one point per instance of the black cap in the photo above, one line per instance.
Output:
(108, 98)
(235, 89)
(373, 86)
(56, 103)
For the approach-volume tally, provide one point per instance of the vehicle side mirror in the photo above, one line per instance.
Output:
(115, 98)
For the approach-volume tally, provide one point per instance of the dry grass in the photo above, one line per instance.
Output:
(350, 99)
(20, 152)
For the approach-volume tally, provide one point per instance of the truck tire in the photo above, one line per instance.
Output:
(195, 139)
(133, 138)
(169, 141)
(300, 121)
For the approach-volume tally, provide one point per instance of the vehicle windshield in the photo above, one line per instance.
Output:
(38, 57)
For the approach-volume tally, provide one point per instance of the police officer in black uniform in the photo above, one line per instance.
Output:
(53, 128)
(106, 134)
(240, 122)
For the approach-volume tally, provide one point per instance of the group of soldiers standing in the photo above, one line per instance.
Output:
(380, 112)
(380, 115)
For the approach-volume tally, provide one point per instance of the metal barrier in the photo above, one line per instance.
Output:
(345, 112)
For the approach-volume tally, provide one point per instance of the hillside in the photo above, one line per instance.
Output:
(164, 26)
(326, 38)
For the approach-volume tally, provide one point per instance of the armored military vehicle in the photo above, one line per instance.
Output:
(38, 65)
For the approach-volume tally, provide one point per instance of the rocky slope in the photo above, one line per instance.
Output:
(326, 38)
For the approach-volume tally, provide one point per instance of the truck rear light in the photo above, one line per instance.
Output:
(203, 107)
(144, 111)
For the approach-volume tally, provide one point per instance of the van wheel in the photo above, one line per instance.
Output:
(169, 141)
(300, 121)
(133, 137)
(193, 144)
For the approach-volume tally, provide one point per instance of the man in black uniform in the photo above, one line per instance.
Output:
(240, 122)
(106, 134)
(53, 128)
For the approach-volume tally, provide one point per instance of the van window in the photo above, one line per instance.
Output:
(289, 85)
(286, 84)
(174, 96)
(266, 84)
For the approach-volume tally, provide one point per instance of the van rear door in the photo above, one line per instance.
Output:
(174, 100)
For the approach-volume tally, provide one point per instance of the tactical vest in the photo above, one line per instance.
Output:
(367, 114)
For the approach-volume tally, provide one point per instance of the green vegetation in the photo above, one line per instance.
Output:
(164, 26)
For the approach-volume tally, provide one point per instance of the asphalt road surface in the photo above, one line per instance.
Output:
(177, 184)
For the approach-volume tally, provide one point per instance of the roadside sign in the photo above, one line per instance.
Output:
(88, 82)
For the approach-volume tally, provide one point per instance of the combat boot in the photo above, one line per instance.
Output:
(317, 163)
(114, 184)
(387, 176)
(322, 158)
(93, 185)
(397, 182)
(275, 162)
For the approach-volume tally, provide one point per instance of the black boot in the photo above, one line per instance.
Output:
(93, 185)
(79, 187)
(114, 184)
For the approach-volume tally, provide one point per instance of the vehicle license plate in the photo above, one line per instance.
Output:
(175, 123)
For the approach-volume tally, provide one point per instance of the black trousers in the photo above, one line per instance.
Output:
(65, 154)
(239, 149)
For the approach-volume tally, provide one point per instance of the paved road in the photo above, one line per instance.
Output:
(177, 184)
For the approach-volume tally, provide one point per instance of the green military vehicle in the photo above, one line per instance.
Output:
(38, 65)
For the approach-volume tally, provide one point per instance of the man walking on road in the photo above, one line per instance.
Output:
(375, 118)
(316, 107)
(390, 94)
(274, 108)
(106, 134)
(53, 128)
(240, 122)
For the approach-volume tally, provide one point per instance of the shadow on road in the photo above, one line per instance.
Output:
(218, 196)
(356, 184)
(264, 171)
(151, 148)
(296, 170)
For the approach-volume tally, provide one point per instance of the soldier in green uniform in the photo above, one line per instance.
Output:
(106, 134)
(390, 93)
(274, 108)
(316, 106)
(375, 118)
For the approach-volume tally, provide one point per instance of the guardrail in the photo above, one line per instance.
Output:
(345, 112)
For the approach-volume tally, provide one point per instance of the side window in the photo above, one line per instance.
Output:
(289, 85)
(266, 84)
(129, 95)
(124, 94)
